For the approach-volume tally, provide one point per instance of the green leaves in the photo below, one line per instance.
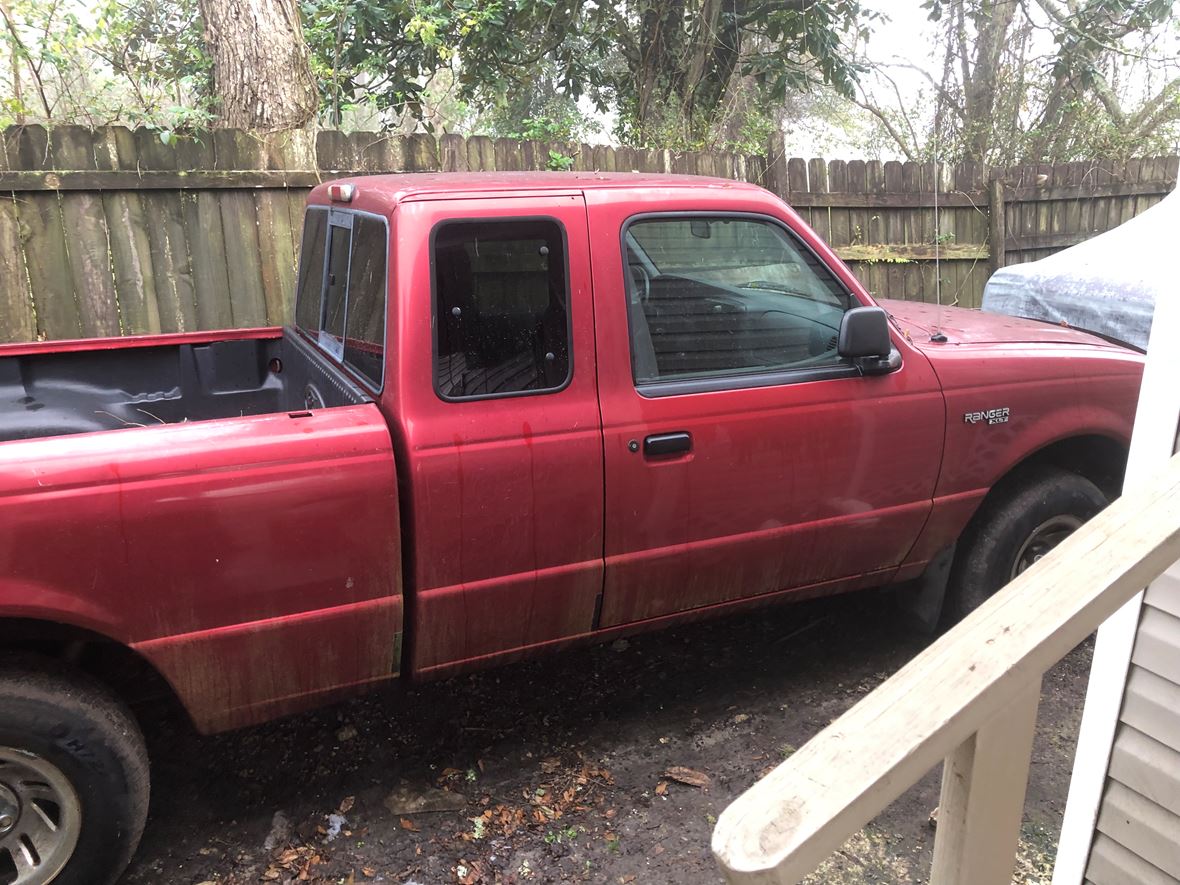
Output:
(109, 61)
(671, 80)
(674, 73)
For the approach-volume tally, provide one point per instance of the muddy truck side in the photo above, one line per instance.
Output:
(513, 412)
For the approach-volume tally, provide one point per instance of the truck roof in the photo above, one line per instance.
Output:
(395, 188)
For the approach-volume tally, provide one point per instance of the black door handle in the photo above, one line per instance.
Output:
(667, 444)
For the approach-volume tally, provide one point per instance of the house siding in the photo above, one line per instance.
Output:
(1138, 829)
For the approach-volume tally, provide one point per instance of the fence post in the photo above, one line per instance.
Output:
(982, 800)
(777, 175)
(996, 224)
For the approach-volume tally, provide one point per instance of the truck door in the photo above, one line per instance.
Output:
(499, 405)
(742, 455)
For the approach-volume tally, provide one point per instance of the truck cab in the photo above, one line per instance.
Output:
(632, 403)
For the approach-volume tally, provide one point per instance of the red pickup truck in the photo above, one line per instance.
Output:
(513, 411)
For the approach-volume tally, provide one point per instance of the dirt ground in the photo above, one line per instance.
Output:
(570, 768)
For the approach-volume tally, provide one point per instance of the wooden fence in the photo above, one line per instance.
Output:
(114, 231)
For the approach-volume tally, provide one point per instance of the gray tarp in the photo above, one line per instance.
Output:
(1108, 284)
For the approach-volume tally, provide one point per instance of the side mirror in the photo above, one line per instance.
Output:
(864, 339)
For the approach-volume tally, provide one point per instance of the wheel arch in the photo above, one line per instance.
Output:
(1100, 458)
(117, 666)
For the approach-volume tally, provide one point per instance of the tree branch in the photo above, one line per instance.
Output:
(19, 45)
(1156, 108)
(950, 99)
(897, 137)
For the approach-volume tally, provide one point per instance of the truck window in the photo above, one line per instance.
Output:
(718, 296)
(364, 343)
(311, 269)
(342, 291)
(501, 308)
(332, 310)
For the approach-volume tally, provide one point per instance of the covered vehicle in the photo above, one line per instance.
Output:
(1107, 285)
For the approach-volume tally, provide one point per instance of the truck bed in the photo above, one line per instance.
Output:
(191, 378)
(253, 559)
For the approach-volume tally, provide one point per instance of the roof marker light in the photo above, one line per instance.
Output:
(341, 193)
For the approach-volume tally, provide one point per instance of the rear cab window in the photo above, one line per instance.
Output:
(342, 293)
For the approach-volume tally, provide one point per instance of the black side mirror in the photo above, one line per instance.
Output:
(864, 339)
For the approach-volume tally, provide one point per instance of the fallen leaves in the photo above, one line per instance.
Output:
(502, 819)
(293, 863)
(469, 872)
(407, 824)
(567, 791)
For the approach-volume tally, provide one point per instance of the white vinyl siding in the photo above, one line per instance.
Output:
(1138, 829)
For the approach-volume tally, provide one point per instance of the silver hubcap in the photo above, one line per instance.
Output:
(1044, 538)
(40, 819)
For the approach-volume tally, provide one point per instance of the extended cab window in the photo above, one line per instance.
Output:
(501, 308)
(341, 294)
(718, 296)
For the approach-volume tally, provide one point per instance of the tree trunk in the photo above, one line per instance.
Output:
(993, 22)
(261, 70)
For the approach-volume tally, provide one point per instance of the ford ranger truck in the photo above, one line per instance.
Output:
(513, 412)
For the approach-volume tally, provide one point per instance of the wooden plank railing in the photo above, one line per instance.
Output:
(969, 699)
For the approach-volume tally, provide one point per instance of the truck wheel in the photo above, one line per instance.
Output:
(73, 778)
(1014, 531)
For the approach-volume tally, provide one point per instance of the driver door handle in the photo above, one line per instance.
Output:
(676, 443)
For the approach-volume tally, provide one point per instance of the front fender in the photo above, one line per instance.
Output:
(1049, 398)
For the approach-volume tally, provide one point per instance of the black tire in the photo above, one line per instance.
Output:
(992, 545)
(77, 726)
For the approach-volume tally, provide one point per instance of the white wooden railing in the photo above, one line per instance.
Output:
(969, 699)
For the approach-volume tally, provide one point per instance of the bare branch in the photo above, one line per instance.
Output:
(897, 137)
(6, 13)
(1156, 109)
(951, 100)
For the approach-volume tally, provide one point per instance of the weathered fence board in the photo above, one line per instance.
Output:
(234, 149)
(17, 322)
(199, 212)
(115, 232)
(167, 240)
(46, 262)
(130, 241)
(87, 244)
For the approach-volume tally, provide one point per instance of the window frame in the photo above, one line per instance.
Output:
(434, 317)
(341, 219)
(316, 336)
(323, 269)
(741, 380)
